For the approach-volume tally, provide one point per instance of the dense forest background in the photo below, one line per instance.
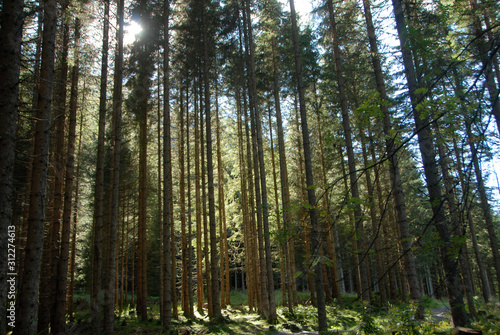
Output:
(161, 155)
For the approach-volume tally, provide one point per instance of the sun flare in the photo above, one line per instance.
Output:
(132, 29)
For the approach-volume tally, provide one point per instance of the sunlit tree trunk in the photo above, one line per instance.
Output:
(221, 205)
(426, 146)
(244, 203)
(313, 213)
(253, 186)
(266, 268)
(215, 289)
(278, 218)
(410, 267)
(285, 191)
(350, 158)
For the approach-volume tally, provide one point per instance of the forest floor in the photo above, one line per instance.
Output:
(349, 317)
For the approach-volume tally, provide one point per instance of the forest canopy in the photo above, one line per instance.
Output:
(162, 160)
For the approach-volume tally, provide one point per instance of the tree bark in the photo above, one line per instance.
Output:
(109, 303)
(167, 175)
(97, 248)
(483, 276)
(72, 262)
(29, 288)
(12, 19)
(182, 190)
(426, 146)
(59, 317)
(216, 308)
(358, 215)
(51, 243)
(313, 213)
(455, 221)
(485, 206)
(285, 191)
(199, 248)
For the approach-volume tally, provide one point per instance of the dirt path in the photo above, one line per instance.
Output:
(441, 313)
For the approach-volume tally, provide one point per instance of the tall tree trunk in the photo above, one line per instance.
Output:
(376, 231)
(285, 191)
(485, 206)
(109, 299)
(12, 18)
(483, 276)
(313, 213)
(167, 246)
(224, 266)
(426, 146)
(410, 268)
(329, 225)
(51, 243)
(71, 284)
(97, 249)
(160, 178)
(455, 221)
(199, 248)
(244, 204)
(483, 52)
(358, 216)
(267, 269)
(182, 190)
(278, 219)
(216, 309)
(190, 223)
(59, 316)
(254, 248)
(142, 231)
(29, 288)
(205, 218)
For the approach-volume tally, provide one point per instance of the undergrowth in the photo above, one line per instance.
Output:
(351, 316)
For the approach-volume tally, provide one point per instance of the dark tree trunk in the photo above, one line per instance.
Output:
(29, 288)
(285, 191)
(109, 298)
(12, 19)
(59, 315)
(432, 177)
(409, 259)
(97, 247)
(215, 289)
(167, 175)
